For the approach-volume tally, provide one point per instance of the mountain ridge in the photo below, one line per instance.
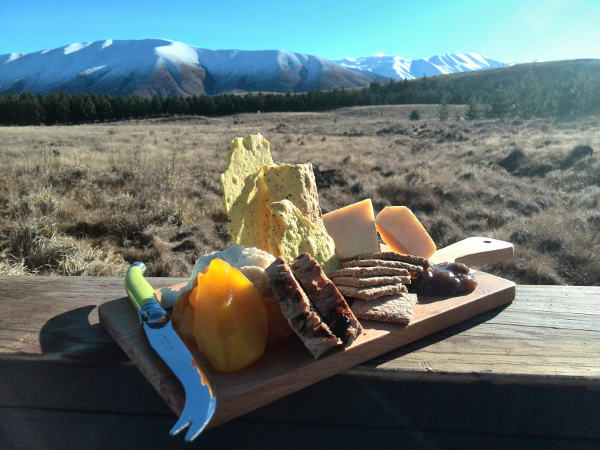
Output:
(162, 67)
(405, 68)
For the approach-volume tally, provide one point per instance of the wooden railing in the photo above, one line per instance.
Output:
(523, 375)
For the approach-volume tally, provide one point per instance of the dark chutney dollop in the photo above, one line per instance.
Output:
(449, 278)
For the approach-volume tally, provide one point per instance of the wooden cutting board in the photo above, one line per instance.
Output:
(287, 367)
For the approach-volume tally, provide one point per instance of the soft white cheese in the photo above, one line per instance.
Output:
(235, 255)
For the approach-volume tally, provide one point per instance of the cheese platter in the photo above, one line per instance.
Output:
(299, 296)
(287, 366)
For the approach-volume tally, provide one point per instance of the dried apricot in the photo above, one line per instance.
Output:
(230, 321)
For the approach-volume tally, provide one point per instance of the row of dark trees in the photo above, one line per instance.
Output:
(561, 90)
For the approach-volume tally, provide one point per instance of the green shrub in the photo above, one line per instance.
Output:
(476, 109)
(443, 112)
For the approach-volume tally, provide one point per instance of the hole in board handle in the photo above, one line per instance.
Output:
(487, 241)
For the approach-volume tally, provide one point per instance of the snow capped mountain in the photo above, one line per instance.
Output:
(398, 67)
(156, 66)
(161, 67)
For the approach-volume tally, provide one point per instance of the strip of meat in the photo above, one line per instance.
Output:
(368, 272)
(296, 307)
(370, 293)
(370, 281)
(412, 268)
(396, 308)
(392, 256)
(329, 301)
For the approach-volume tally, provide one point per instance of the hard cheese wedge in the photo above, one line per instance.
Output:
(249, 215)
(245, 193)
(353, 229)
(293, 234)
(247, 156)
(296, 183)
(403, 233)
(252, 184)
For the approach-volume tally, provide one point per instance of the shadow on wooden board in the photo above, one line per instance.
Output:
(71, 335)
(439, 336)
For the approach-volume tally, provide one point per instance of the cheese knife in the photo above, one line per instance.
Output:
(200, 401)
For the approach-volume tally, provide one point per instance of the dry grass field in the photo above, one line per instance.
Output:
(90, 199)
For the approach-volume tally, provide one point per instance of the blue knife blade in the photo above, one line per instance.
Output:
(200, 401)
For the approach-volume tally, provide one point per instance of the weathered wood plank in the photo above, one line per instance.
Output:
(540, 337)
(475, 407)
(78, 385)
(49, 429)
(58, 316)
(443, 405)
(563, 299)
(550, 331)
(56, 356)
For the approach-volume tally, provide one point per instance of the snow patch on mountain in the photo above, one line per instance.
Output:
(91, 70)
(13, 57)
(72, 48)
(177, 52)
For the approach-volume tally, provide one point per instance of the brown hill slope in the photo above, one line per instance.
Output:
(90, 199)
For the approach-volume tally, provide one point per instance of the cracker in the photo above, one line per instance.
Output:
(395, 309)
(369, 272)
(370, 293)
(383, 263)
(392, 256)
(370, 281)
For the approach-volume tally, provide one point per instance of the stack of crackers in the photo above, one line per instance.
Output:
(375, 285)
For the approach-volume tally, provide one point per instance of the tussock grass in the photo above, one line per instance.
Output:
(89, 200)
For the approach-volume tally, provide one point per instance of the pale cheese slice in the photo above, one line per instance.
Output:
(403, 233)
(353, 229)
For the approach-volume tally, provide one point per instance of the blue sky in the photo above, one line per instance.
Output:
(507, 30)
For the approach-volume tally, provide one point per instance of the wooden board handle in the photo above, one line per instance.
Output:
(475, 251)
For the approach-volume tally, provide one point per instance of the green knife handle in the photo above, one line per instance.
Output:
(138, 289)
(142, 297)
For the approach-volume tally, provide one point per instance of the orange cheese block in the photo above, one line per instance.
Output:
(403, 233)
(353, 229)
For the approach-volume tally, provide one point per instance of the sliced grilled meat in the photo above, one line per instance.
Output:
(329, 301)
(296, 307)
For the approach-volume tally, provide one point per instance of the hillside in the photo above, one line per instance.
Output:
(87, 200)
(561, 89)
(548, 89)
(160, 67)
(149, 67)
